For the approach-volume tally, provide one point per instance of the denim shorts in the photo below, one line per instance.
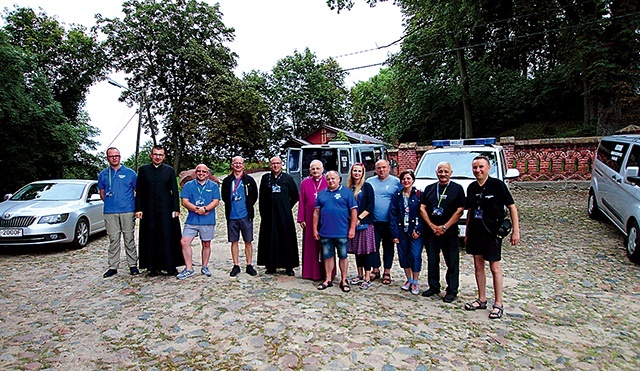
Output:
(330, 244)
(205, 231)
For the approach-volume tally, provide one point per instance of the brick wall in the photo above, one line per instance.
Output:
(536, 159)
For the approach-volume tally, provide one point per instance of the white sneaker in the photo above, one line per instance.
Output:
(406, 286)
(185, 274)
(414, 289)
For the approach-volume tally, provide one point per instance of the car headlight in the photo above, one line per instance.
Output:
(54, 218)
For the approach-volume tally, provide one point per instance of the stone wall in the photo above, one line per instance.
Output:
(536, 159)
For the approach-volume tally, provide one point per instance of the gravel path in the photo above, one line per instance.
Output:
(572, 301)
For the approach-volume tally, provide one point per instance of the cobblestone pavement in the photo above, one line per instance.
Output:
(572, 301)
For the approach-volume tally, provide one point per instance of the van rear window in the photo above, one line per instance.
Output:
(328, 156)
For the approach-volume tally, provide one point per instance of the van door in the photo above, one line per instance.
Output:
(608, 169)
(625, 191)
(294, 164)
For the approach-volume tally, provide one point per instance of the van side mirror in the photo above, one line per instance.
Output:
(632, 175)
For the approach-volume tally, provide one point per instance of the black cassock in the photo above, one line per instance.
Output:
(278, 243)
(159, 239)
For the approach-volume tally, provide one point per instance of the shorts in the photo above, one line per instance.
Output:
(489, 246)
(329, 244)
(206, 231)
(237, 226)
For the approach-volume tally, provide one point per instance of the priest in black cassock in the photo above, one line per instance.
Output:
(278, 242)
(158, 209)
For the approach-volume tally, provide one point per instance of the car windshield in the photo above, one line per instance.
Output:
(460, 164)
(49, 192)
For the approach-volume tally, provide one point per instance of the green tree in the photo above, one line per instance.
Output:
(174, 53)
(370, 103)
(305, 93)
(45, 77)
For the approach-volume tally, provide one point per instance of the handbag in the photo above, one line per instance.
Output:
(362, 227)
(505, 228)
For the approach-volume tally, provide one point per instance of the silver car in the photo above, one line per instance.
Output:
(52, 211)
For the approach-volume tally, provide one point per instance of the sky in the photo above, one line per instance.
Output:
(266, 31)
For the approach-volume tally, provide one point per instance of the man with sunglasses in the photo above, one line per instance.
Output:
(200, 196)
(117, 185)
(158, 208)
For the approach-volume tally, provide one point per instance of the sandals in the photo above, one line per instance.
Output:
(345, 287)
(356, 280)
(476, 304)
(386, 278)
(498, 314)
(324, 286)
(375, 275)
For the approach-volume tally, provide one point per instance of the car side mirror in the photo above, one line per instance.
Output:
(7, 196)
(632, 175)
(94, 197)
(512, 173)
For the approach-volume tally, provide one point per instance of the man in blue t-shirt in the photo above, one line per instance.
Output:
(334, 221)
(200, 196)
(117, 185)
(384, 186)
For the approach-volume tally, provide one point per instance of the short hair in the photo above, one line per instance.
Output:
(482, 157)
(443, 163)
(317, 161)
(383, 160)
(332, 172)
(158, 147)
(410, 172)
(110, 149)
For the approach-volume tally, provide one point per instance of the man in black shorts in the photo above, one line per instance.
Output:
(240, 193)
(486, 200)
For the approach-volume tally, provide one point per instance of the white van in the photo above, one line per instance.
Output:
(335, 155)
(614, 190)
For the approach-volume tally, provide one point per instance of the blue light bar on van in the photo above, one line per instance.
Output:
(463, 142)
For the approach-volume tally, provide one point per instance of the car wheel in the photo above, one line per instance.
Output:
(633, 234)
(81, 234)
(592, 206)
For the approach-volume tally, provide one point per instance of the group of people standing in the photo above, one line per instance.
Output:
(370, 218)
(367, 218)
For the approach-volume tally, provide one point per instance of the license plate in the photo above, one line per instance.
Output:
(11, 232)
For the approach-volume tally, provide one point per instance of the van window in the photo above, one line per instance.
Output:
(634, 156)
(612, 153)
(344, 161)
(294, 162)
(328, 156)
(369, 160)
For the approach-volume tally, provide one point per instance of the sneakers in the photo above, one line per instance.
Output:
(235, 270)
(186, 273)
(250, 271)
(365, 285)
(355, 281)
(406, 286)
(205, 270)
(109, 273)
(414, 289)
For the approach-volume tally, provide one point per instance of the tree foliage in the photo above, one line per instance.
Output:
(304, 94)
(46, 74)
(174, 54)
(506, 63)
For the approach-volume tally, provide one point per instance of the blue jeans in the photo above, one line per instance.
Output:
(410, 252)
(328, 245)
(383, 235)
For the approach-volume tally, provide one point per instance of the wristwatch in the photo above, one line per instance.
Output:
(205, 208)
(444, 228)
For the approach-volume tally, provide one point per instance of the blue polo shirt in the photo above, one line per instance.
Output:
(201, 195)
(383, 191)
(335, 207)
(118, 186)
(238, 202)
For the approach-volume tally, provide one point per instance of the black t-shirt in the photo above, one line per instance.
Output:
(452, 198)
(491, 199)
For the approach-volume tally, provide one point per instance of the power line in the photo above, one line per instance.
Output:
(496, 41)
(121, 130)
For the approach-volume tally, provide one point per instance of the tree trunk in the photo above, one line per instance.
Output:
(464, 81)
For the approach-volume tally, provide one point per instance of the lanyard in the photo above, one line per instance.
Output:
(443, 192)
(236, 184)
(275, 181)
(201, 188)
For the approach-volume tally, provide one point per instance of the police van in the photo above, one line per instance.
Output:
(335, 155)
(460, 154)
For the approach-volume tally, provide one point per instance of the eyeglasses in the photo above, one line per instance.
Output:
(114, 156)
